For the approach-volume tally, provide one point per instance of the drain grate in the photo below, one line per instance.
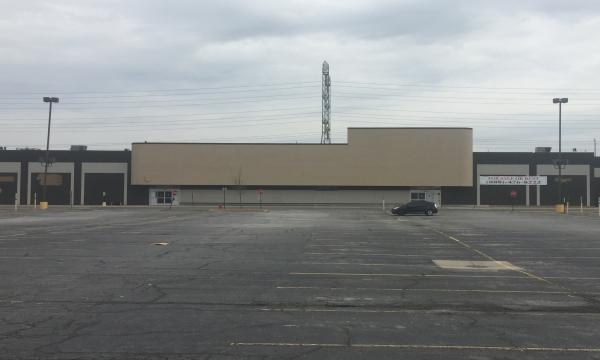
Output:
(475, 265)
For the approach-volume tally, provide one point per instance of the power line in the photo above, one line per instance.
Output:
(125, 105)
(466, 97)
(342, 94)
(291, 119)
(437, 101)
(378, 85)
(196, 140)
(145, 100)
(170, 125)
(457, 113)
(490, 91)
(166, 115)
(467, 87)
(190, 93)
(66, 92)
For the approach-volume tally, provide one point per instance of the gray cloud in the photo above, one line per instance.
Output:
(393, 63)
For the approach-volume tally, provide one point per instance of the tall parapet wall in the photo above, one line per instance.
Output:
(372, 157)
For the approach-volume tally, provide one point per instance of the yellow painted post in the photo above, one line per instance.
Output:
(43, 205)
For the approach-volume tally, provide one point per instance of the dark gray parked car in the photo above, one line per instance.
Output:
(416, 207)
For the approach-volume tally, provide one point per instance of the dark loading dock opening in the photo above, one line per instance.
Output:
(109, 184)
(8, 188)
(500, 195)
(573, 190)
(58, 188)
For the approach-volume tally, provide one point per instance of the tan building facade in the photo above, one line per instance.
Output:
(374, 159)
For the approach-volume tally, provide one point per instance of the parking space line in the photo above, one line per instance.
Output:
(507, 245)
(413, 311)
(586, 297)
(360, 264)
(422, 347)
(554, 257)
(405, 275)
(491, 258)
(426, 290)
(335, 245)
(365, 254)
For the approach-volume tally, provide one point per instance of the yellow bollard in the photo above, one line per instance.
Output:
(559, 208)
(43, 205)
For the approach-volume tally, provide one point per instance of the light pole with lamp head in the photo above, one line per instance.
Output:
(560, 101)
(49, 100)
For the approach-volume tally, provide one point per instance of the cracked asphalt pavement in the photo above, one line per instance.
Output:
(306, 283)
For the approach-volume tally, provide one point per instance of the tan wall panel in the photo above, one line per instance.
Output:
(287, 196)
(372, 157)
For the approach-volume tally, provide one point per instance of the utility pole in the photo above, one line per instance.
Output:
(560, 101)
(326, 105)
(49, 100)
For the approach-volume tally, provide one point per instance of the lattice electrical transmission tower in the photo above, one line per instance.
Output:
(326, 108)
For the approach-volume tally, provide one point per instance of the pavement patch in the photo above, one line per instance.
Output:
(475, 265)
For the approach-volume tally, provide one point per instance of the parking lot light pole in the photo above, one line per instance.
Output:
(560, 101)
(48, 100)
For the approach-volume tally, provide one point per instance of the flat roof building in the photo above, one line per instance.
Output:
(391, 164)
(375, 163)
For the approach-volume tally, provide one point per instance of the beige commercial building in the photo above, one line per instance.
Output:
(376, 164)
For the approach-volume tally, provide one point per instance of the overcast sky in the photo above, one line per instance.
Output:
(250, 71)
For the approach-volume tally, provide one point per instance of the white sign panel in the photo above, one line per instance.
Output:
(513, 180)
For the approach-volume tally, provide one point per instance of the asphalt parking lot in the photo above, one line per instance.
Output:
(313, 283)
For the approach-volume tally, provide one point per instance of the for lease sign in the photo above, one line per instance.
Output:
(513, 180)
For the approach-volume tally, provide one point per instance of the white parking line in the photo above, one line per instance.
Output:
(553, 257)
(462, 243)
(402, 311)
(423, 346)
(345, 246)
(426, 290)
(366, 254)
(362, 264)
(404, 275)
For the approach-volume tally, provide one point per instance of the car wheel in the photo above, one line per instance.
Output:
(428, 212)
